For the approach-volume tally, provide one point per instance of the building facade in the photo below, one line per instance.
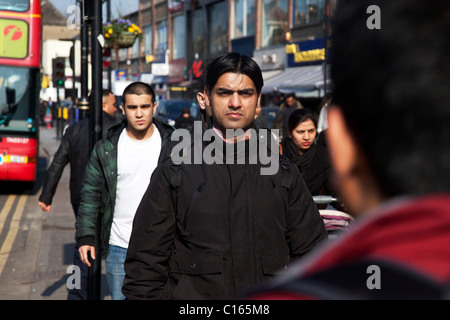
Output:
(182, 36)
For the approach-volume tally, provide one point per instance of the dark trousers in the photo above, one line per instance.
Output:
(79, 294)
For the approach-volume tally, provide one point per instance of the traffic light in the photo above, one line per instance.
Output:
(58, 75)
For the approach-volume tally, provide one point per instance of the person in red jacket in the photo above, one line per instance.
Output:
(390, 145)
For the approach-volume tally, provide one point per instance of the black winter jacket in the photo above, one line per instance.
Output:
(230, 228)
(74, 149)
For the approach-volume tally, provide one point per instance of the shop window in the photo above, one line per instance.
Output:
(274, 22)
(178, 37)
(308, 11)
(198, 34)
(244, 15)
(148, 37)
(218, 28)
(161, 36)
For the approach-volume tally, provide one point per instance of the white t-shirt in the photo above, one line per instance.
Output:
(136, 160)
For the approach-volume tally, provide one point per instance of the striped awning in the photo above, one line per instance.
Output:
(297, 79)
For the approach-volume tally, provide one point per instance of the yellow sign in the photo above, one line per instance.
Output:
(13, 39)
(305, 56)
(178, 88)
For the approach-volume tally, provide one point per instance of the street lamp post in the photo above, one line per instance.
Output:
(95, 131)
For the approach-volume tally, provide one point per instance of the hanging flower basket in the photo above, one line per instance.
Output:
(125, 40)
(121, 33)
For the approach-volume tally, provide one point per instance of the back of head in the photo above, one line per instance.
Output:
(138, 88)
(392, 86)
(235, 63)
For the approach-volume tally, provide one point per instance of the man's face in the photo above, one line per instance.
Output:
(139, 110)
(109, 104)
(290, 101)
(233, 102)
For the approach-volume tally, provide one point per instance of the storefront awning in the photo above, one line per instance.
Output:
(300, 80)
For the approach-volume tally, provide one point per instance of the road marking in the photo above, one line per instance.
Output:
(12, 232)
(6, 208)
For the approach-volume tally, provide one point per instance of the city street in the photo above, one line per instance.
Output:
(36, 248)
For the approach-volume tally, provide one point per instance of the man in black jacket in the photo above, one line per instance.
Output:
(74, 149)
(209, 229)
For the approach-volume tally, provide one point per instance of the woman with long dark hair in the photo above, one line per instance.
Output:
(312, 160)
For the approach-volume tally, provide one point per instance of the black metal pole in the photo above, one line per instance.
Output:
(108, 18)
(94, 284)
(83, 103)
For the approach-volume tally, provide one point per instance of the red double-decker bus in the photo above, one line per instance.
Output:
(20, 57)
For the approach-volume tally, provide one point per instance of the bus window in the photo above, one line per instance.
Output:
(16, 111)
(15, 5)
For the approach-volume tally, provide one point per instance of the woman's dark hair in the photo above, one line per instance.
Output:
(235, 63)
(299, 116)
(138, 88)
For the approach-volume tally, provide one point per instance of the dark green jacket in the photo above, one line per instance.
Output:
(98, 193)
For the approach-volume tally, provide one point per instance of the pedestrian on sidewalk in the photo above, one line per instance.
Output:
(209, 230)
(74, 150)
(116, 177)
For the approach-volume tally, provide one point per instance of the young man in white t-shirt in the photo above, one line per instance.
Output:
(116, 178)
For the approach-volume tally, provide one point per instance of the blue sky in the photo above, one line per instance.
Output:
(118, 7)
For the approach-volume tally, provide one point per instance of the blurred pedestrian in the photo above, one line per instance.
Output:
(117, 175)
(261, 119)
(389, 138)
(184, 121)
(207, 231)
(74, 150)
(289, 105)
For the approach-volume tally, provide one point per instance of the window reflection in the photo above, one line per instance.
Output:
(274, 22)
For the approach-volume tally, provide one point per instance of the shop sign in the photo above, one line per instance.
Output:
(305, 52)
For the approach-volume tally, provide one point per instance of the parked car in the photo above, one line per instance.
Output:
(169, 110)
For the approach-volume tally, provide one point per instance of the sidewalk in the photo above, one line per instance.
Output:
(36, 267)
(58, 232)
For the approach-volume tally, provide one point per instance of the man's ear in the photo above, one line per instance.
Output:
(206, 98)
(342, 145)
(201, 100)
(258, 109)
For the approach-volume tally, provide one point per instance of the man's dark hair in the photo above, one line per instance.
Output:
(138, 88)
(235, 63)
(392, 85)
(105, 93)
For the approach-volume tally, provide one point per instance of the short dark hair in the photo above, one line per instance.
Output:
(299, 116)
(236, 63)
(289, 95)
(138, 88)
(105, 93)
(392, 87)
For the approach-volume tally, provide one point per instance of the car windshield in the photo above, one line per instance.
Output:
(172, 108)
